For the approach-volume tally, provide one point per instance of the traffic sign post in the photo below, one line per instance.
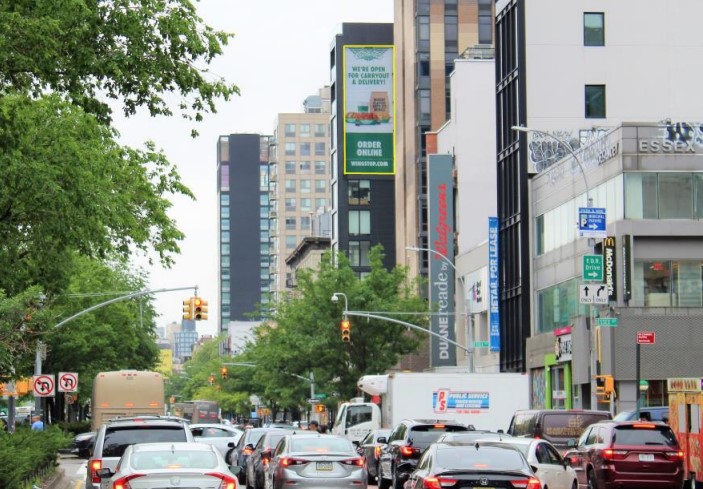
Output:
(646, 337)
(607, 322)
(592, 222)
(593, 294)
(593, 268)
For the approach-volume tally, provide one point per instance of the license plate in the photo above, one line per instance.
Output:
(646, 457)
(327, 466)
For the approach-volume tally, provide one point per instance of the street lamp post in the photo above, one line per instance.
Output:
(469, 320)
(591, 244)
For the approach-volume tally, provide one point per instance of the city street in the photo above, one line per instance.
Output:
(74, 468)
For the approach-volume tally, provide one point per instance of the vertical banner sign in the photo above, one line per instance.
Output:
(369, 104)
(626, 267)
(441, 239)
(493, 311)
(610, 272)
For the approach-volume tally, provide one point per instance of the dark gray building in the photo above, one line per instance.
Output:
(362, 153)
(243, 190)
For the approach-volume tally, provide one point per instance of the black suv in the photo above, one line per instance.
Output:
(406, 444)
(117, 434)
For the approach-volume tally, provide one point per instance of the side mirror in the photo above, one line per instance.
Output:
(381, 440)
(501, 432)
(105, 473)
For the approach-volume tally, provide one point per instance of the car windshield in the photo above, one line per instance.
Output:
(469, 457)
(323, 444)
(167, 459)
(117, 440)
(273, 440)
(635, 435)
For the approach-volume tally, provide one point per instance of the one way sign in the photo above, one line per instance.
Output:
(593, 294)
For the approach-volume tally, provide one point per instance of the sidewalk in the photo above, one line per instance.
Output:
(57, 480)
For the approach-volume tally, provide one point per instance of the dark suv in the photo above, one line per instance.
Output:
(117, 434)
(620, 454)
(406, 444)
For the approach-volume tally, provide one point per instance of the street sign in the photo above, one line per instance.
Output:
(592, 222)
(43, 385)
(593, 268)
(313, 401)
(321, 395)
(482, 344)
(645, 337)
(607, 322)
(593, 294)
(68, 382)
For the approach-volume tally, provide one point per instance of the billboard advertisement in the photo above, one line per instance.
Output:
(441, 261)
(369, 105)
(493, 309)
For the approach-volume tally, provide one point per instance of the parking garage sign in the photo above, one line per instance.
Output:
(592, 222)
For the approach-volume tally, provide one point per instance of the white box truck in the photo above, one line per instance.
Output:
(485, 401)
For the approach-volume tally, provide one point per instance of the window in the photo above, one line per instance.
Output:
(224, 237)
(290, 167)
(304, 130)
(359, 254)
(359, 192)
(320, 167)
(224, 224)
(320, 204)
(224, 213)
(305, 167)
(675, 196)
(290, 223)
(424, 108)
(667, 283)
(305, 186)
(291, 242)
(224, 178)
(304, 149)
(359, 223)
(320, 149)
(485, 21)
(595, 101)
(290, 149)
(290, 185)
(290, 130)
(305, 205)
(593, 29)
(290, 205)
(320, 186)
(305, 222)
(224, 249)
(320, 130)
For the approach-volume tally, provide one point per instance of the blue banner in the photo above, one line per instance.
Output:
(493, 310)
(448, 401)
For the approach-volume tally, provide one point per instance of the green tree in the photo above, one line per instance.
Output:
(304, 333)
(115, 337)
(143, 54)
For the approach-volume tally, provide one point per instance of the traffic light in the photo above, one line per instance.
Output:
(188, 309)
(320, 408)
(605, 385)
(223, 371)
(346, 331)
(199, 309)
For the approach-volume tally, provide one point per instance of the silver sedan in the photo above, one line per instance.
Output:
(158, 465)
(316, 461)
(216, 434)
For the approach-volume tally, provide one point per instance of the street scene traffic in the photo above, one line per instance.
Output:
(427, 244)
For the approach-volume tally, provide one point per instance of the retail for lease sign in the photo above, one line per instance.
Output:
(369, 104)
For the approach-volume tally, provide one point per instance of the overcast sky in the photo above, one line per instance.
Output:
(278, 57)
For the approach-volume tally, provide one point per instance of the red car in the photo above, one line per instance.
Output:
(622, 454)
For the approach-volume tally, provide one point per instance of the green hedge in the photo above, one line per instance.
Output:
(26, 455)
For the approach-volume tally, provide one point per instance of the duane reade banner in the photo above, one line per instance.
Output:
(441, 259)
(369, 102)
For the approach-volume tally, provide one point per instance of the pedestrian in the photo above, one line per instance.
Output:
(313, 426)
(37, 423)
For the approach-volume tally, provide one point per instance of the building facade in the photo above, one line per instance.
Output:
(243, 191)
(300, 183)
(614, 127)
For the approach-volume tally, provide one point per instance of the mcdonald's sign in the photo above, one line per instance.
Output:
(610, 273)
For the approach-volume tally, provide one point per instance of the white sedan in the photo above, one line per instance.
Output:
(552, 470)
(217, 435)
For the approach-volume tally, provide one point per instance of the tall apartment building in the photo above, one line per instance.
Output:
(243, 191)
(362, 155)
(300, 182)
(429, 35)
(603, 86)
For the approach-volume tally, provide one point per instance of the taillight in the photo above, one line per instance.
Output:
(674, 455)
(647, 426)
(531, 483)
(93, 467)
(288, 461)
(227, 481)
(359, 462)
(406, 451)
(612, 454)
(377, 451)
(123, 483)
(437, 482)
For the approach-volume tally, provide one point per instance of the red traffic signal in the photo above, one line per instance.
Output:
(346, 330)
